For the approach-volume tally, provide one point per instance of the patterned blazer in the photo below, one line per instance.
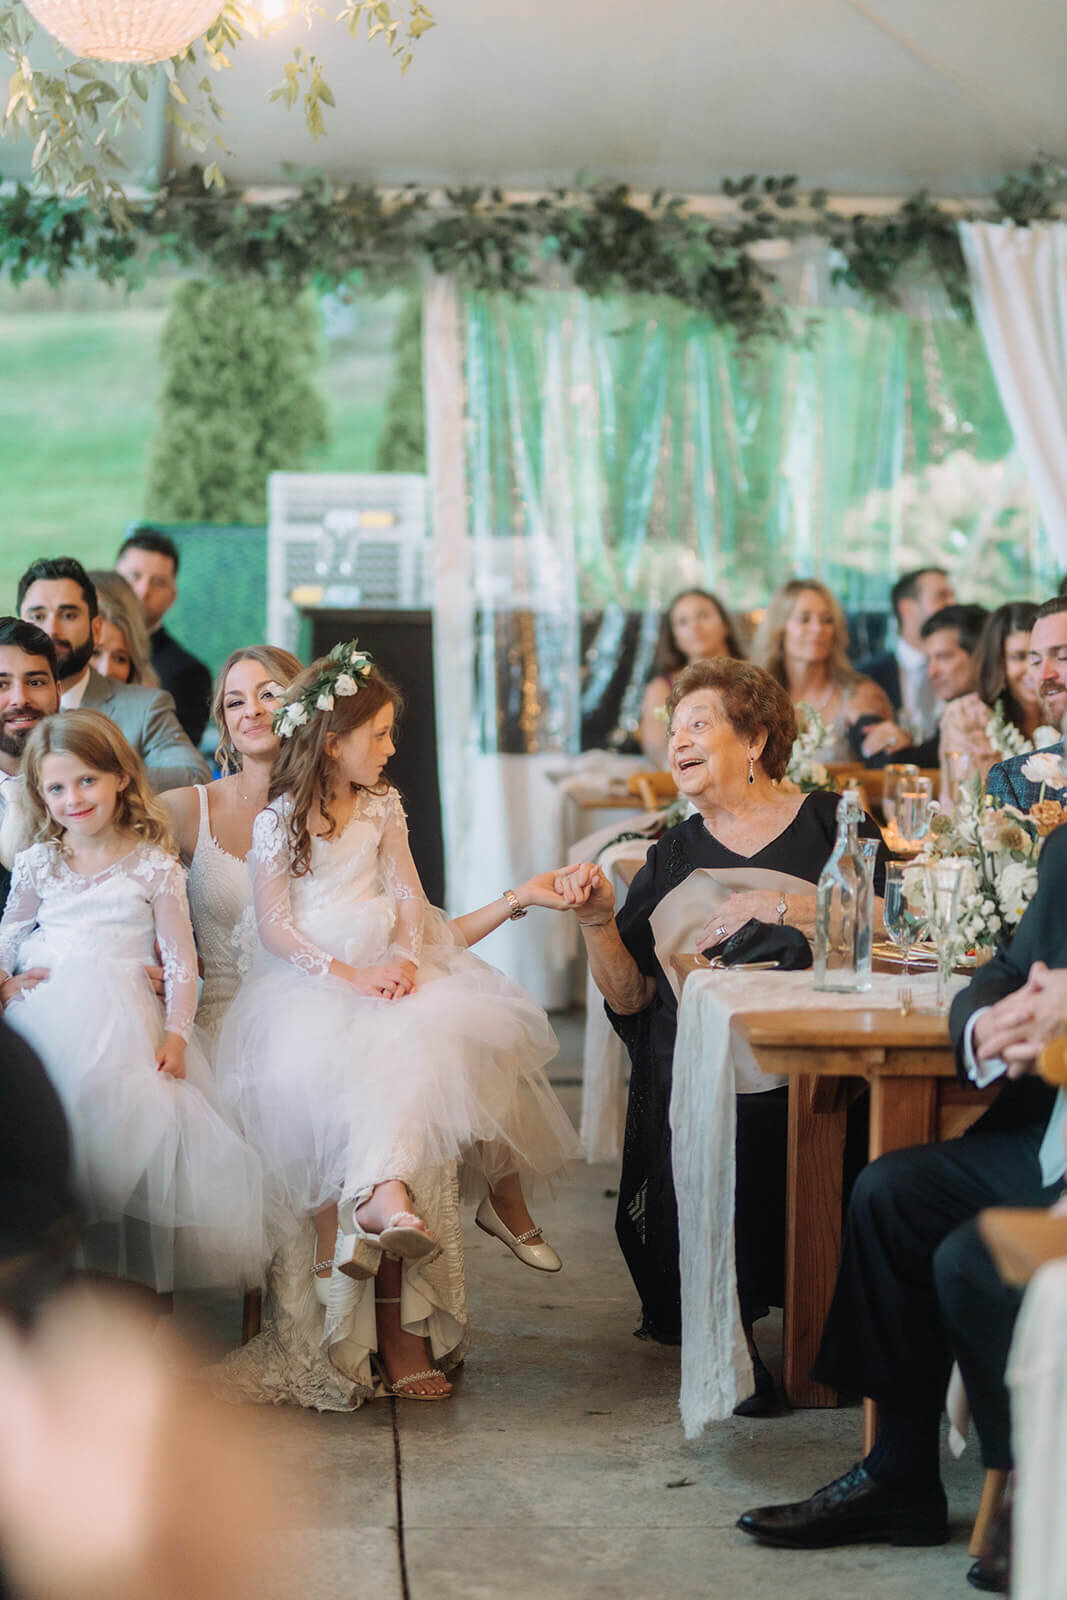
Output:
(1006, 781)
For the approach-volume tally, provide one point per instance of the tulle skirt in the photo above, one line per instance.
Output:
(338, 1091)
(172, 1195)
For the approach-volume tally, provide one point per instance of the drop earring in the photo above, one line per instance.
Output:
(751, 770)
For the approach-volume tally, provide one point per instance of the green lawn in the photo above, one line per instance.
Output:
(78, 392)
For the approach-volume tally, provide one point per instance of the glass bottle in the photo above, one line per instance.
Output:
(844, 905)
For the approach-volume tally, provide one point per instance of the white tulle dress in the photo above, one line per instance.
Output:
(304, 1356)
(338, 1090)
(172, 1195)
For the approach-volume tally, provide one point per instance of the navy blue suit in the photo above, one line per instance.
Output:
(885, 670)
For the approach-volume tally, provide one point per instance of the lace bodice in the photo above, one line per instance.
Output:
(121, 914)
(361, 901)
(220, 892)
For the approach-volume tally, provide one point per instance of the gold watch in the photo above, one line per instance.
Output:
(517, 910)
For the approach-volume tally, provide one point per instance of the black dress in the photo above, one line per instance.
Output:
(646, 1221)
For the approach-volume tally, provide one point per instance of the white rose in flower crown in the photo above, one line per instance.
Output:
(345, 685)
(1044, 768)
(324, 702)
(295, 715)
(1016, 889)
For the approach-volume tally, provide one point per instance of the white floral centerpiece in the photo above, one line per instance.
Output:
(998, 847)
(803, 771)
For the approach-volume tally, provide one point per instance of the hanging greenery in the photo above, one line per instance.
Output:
(241, 398)
(73, 116)
(329, 234)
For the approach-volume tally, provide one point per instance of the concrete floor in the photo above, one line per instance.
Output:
(559, 1467)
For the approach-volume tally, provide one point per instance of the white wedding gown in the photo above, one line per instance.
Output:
(172, 1195)
(288, 1362)
(338, 1090)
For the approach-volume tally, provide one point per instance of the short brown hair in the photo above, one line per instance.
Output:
(752, 702)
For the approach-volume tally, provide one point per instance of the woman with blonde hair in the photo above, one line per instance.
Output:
(802, 642)
(171, 1194)
(123, 651)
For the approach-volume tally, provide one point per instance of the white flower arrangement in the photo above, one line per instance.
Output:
(998, 847)
(345, 670)
(1045, 768)
(803, 771)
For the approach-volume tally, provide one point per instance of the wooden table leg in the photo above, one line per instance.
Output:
(813, 1234)
(903, 1112)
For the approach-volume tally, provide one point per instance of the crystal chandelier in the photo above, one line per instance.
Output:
(125, 30)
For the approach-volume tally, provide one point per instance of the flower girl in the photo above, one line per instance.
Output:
(368, 1043)
(172, 1196)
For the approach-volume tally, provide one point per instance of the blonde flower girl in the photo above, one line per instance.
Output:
(367, 1043)
(172, 1196)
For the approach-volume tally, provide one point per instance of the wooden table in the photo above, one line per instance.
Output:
(914, 1099)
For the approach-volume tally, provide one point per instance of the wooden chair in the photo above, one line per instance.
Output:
(654, 789)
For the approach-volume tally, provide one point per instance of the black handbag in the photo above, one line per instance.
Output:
(763, 942)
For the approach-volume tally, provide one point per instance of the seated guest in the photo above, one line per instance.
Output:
(29, 691)
(122, 650)
(57, 596)
(695, 627)
(950, 640)
(148, 560)
(1048, 664)
(1004, 686)
(803, 643)
(902, 671)
(916, 1288)
(731, 733)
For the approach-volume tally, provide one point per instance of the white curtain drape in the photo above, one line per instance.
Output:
(1019, 289)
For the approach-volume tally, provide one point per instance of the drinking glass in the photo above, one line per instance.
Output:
(898, 775)
(959, 773)
(903, 923)
(942, 883)
(913, 809)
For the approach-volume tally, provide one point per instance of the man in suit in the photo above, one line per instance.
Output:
(1048, 663)
(148, 560)
(58, 597)
(902, 671)
(950, 641)
(916, 1288)
(29, 691)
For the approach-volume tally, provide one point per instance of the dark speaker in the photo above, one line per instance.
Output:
(401, 643)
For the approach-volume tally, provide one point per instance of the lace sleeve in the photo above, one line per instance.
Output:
(177, 950)
(278, 933)
(20, 913)
(400, 879)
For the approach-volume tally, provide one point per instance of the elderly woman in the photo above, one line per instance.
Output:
(731, 730)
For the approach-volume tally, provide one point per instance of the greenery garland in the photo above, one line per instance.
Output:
(330, 234)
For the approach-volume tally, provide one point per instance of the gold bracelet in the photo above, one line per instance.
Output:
(517, 910)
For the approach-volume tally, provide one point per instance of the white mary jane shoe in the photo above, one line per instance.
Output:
(541, 1256)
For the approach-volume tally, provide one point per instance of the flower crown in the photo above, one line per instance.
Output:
(345, 671)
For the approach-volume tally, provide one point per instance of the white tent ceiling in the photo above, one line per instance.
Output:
(863, 98)
(937, 93)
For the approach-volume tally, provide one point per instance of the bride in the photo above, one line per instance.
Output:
(288, 1361)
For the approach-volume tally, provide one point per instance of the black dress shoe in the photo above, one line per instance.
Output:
(854, 1509)
(980, 1576)
(764, 1401)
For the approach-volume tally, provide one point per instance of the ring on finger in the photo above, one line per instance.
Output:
(720, 931)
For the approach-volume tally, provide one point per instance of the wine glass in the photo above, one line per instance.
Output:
(943, 882)
(903, 923)
(898, 775)
(913, 809)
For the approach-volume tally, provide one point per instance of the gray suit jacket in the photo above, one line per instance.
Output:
(148, 719)
(1006, 781)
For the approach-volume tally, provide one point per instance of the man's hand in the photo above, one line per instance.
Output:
(1046, 991)
(18, 987)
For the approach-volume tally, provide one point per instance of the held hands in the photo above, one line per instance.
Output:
(584, 889)
(18, 987)
(171, 1058)
(1018, 1027)
(884, 736)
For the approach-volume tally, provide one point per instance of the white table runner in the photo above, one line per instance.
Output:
(712, 1064)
